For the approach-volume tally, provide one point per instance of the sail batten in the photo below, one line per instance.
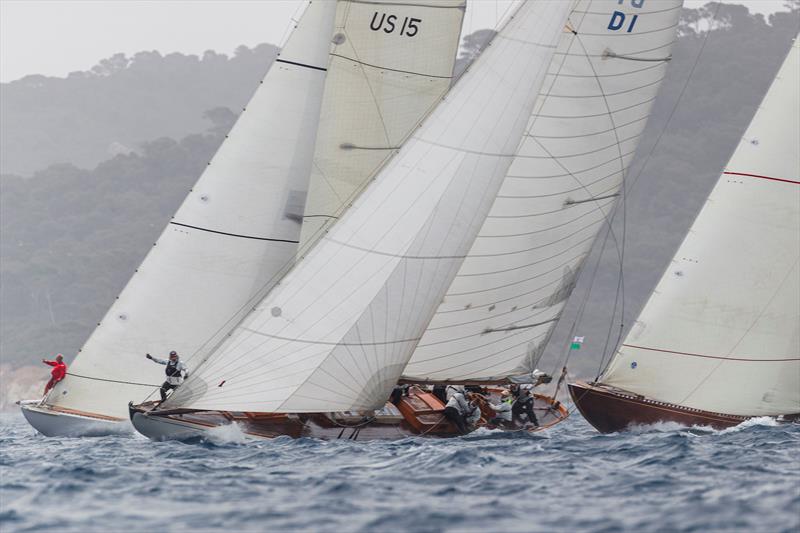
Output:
(721, 331)
(559, 191)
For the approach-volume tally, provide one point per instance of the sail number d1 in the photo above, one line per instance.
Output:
(618, 19)
(390, 23)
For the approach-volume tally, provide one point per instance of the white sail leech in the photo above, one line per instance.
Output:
(390, 64)
(336, 333)
(234, 232)
(721, 331)
(502, 307)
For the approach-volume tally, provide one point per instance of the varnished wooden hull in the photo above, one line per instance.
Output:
(421, 416)
(609, 410)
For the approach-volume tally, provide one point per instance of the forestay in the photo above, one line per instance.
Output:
(498, 314)
(721, 331)
(336, 333)
(236, 230)
(390, 64)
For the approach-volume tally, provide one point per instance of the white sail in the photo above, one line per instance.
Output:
(499, 312)
(721, 331)
(236, 230)
(336, 333)
(390, 64)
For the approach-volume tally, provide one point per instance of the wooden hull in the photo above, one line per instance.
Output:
(609, 410)
(419, 414)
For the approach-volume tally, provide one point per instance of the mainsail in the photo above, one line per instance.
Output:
(721, 331)
(338, 330)
(237, 228)
(500, 310)
(390, 64)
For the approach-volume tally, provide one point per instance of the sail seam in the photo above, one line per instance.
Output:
(711, 356)
(325, 343)
(252, 237)
(759, 176)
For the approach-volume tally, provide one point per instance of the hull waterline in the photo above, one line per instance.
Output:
(610, 410)
(53, 422)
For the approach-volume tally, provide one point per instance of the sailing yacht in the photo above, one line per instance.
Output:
(356, 86)
(718, 341)
(542, 127)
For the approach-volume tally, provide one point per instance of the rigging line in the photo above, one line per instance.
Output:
(379, 67)
(240, 236)
(112, 380)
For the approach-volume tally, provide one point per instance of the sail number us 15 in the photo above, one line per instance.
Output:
(391, 23)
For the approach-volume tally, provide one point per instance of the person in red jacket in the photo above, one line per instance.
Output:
(58, 372)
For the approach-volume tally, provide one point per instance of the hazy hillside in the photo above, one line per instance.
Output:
(90, 116)
(70, 237)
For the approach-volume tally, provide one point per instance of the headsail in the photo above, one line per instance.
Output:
(721, 331)
(498, 314)
(391, 63)
(237, 228)
(339, 329)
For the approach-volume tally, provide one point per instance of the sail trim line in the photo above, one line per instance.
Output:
(362, 63)
(712, 356)
(234, 234)
(759, 176)
(295, 63)
(113, 380)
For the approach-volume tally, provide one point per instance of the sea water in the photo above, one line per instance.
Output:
(571, 478)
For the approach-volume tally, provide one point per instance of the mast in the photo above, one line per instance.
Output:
(237, 229)
(721, 330)
(391, 62)
(498, 314)
(337, 331)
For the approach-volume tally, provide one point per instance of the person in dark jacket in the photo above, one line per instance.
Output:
(524, 405)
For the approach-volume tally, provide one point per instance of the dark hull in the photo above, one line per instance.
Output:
(610, 410)
(418, 414)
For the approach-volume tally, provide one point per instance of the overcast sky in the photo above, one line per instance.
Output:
(56, 37)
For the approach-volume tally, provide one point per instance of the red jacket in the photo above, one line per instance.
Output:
(59, 370)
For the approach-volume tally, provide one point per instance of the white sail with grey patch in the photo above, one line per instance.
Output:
(338, 330)
(497, 316)
(390, 64)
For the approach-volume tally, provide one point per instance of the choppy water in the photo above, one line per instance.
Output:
(667, 478)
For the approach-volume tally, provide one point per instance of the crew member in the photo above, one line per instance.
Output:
(502, 410)
(524, 405)
(176, 372)
(58, 372)
(456, 411)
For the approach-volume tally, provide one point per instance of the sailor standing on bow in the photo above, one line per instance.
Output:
(176, 372)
